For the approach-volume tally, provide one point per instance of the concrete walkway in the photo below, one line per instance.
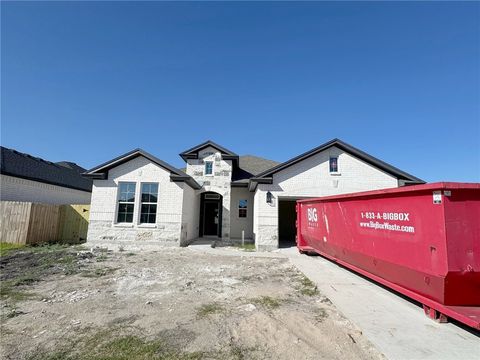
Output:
(396, 326)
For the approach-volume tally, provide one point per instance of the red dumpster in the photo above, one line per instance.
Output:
(422, 241)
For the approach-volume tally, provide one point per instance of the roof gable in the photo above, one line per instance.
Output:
(192, 153)
(64, 174)
(176, 175)
(265, 177)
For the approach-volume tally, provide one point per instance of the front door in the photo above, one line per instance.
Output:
(211, 218)
(210, 222)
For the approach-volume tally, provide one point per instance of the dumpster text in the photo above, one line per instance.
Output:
(385, 225)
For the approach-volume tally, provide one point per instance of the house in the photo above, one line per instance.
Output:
(27, 178)
(140, 201)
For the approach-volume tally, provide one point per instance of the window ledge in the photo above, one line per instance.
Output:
(150, 226)
(123, 225)
(336, 174)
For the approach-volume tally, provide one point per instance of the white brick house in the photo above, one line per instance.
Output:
(140, 201)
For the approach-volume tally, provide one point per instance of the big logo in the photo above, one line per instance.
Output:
(312, 215)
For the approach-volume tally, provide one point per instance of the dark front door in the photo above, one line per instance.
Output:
(211, 218)
(210, 214)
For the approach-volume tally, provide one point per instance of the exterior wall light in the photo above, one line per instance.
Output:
(269, 197)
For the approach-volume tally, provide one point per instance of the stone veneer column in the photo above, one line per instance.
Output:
(220, 182)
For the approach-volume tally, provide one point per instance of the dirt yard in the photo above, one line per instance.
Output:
(183, 303)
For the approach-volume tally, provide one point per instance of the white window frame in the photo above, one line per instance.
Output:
(205, 167)
(125, 202)
(147, 203)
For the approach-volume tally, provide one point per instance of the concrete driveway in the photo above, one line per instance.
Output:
(396, 326)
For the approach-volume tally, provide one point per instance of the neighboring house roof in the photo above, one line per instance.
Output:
(266, 176)
(177, 175)
(71, 165)
(192, 153)
(248, 167)
(25, 166)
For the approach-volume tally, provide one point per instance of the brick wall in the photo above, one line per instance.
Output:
(18, 189)
(103, 229)
(312, 178)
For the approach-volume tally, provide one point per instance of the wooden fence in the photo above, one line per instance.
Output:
(31, 223)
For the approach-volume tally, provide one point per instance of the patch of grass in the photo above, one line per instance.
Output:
(99, 272)
(54, 257)
(267, 302)
(9, 291)
(107, 345)
(47, 248)
(247, 247)
(130, 254)
(7, 331)
(209, 309)
(238, 352)
(31, 264)
(101, 258)
(115, 344)
(320, 314)
(55, 355)
(132, 346)
(26, 279)
(307, 287)
(13, 290)
(11, 313)
(5, 248)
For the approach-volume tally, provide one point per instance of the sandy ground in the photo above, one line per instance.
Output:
(198, 305)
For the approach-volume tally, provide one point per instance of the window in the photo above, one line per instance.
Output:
(126, 202)
(148, 213)
(208, 167)
(334, 164)
(242, 208)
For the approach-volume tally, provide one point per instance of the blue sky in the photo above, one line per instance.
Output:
(88, 81)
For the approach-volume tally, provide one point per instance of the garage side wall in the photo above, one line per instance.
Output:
(312, 178)
(105, 231)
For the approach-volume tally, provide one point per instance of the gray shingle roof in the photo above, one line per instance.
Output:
(249, 166)
(64, 173)
(255, 165)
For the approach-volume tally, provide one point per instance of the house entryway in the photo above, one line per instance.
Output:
(210, 223)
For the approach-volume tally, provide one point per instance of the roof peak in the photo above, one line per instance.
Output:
(192, 153)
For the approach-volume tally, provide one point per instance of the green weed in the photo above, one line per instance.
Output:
(5, 248)
(267, 302)
(209, 309)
